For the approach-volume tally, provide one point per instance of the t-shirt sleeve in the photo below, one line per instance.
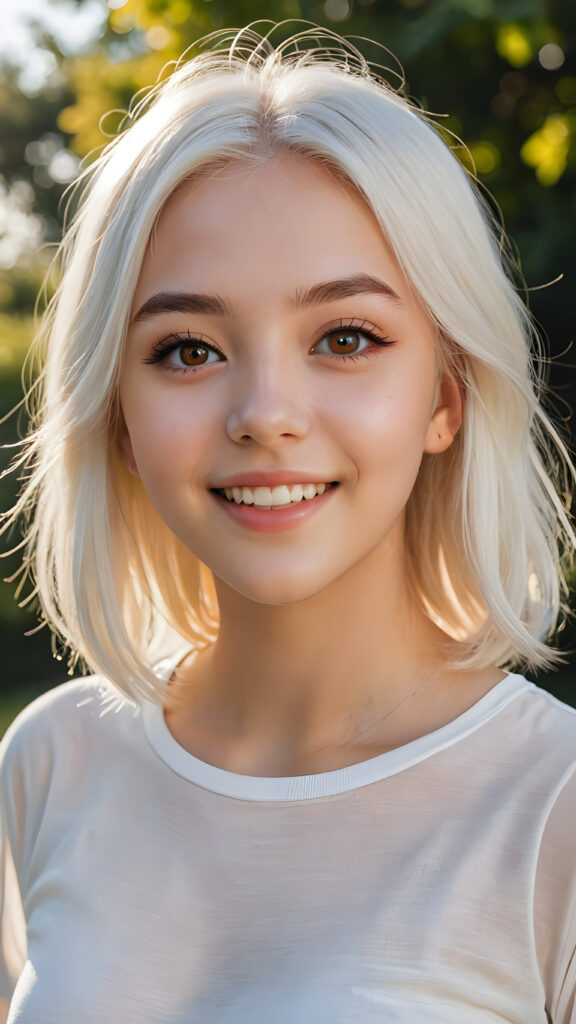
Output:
(555, 907)
(13, 945)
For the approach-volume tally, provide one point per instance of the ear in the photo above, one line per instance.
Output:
(447, 417)
(125, 447)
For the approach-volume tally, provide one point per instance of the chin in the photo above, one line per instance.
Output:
(276, 592)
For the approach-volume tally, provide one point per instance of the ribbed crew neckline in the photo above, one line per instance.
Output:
(320, 784)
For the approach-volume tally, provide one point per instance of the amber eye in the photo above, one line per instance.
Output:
(343, 341)
(193, 355)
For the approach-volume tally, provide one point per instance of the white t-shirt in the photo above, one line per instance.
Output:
(434, 884)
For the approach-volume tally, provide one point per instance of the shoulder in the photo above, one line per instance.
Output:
(62, 726)
(527, 742)
(554, 761)
(59, 706)
(558, 725)
(543, 697)
(545, 725)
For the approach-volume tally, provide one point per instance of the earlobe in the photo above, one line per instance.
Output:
(447, 418)
(132, 467)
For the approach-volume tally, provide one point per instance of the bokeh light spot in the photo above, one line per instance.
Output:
(337, 10)
(486, 156)
(63, 167)
(123, 24)
(513, 44)
(179, 12)
(158, 37)
(551, 57)
(546, 150)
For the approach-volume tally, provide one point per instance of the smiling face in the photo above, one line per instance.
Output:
(276, 343)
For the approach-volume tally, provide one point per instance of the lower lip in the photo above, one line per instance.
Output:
(275, 520)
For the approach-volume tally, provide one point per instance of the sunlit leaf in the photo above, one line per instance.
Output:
(513, 43)
(547, 149)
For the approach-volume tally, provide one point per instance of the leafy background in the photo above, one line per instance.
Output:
(502, 72)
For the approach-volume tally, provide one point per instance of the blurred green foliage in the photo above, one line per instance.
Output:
(500, 74)
(26, 661)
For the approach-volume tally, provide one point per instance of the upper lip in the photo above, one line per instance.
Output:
(262, 478)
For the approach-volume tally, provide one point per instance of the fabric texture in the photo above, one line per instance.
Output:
(434, 884)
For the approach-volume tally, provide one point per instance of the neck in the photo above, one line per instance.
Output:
(309, 676)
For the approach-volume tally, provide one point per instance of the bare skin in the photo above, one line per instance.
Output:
(212, 726)
(321, 645)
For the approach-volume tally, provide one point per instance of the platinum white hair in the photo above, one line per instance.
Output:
(487, 528)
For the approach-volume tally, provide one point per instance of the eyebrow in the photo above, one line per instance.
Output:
(213, 305)
(343, 288)
(180, 302)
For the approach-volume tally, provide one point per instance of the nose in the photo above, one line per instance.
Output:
(268, 407)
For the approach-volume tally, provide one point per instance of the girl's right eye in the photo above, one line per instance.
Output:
(186, 352)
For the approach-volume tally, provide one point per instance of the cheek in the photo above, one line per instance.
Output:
(170, 433)
(385, 423)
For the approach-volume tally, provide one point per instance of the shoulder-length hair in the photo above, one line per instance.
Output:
(487, 531)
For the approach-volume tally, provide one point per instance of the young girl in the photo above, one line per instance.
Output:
(292, 498)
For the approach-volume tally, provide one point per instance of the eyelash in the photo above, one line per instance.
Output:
(172, 342)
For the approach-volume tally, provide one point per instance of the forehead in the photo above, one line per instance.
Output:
(260, 227)
(267, 183)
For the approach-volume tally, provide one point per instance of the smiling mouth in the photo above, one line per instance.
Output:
(270, 498)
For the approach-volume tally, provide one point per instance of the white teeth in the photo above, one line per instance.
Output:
(273, 497)
(268, 497)
(262, 496)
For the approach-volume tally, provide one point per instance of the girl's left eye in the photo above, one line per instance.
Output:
(349, 341)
